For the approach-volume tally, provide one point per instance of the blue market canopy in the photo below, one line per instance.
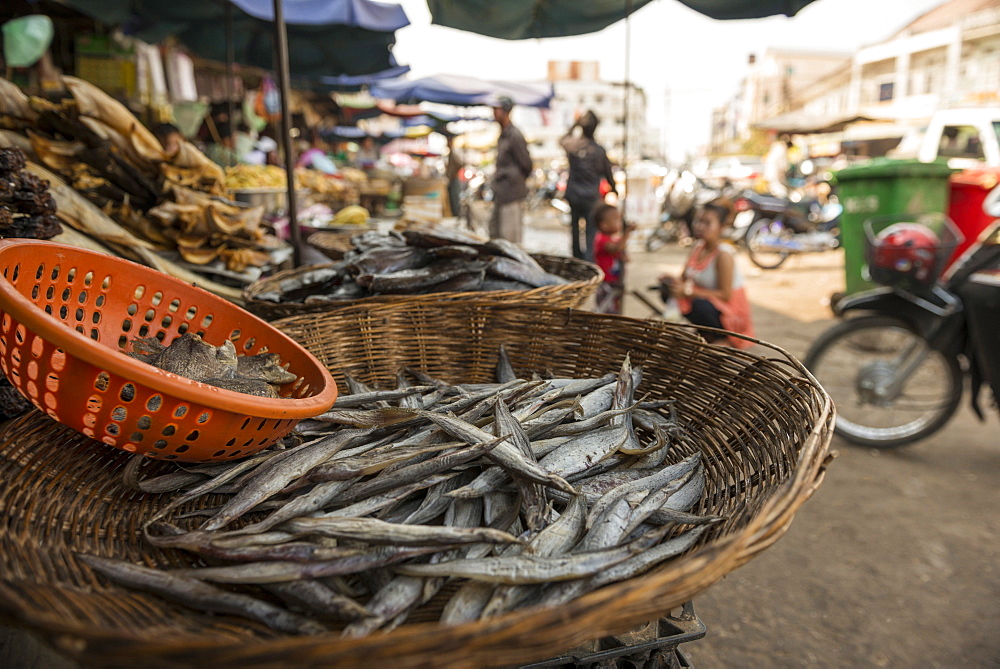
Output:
(354, 82)
(325, 37)
(377, 16)
(528, 19)
(451, 89)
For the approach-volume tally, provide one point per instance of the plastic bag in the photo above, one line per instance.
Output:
(672, 312)
(268, 104)
(254, 122)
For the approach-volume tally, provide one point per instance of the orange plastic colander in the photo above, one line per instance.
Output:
(67, 316)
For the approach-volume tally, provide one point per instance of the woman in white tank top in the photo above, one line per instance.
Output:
(711, 291)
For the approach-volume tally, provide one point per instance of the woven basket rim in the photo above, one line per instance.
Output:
(78, 345)
(684, 576)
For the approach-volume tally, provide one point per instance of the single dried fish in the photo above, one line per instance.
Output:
(505, 372)
(556, 539)
(281, 572)
(522, 569)
(192, 592)
(648, 559)
(596, 401)
(313, 597)
(505, 454)
(272, 480)
(654, 481)
(356, 400)
(367, 418)
(379, 532)
(533, 500)
(420, 470)
(584, 451)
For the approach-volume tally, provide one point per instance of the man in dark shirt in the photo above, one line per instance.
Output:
(512, 169)
(588, 164)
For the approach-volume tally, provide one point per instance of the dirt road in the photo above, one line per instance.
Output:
(893, 563)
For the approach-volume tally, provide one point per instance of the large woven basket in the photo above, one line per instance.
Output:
(582, 280)
(763, 425)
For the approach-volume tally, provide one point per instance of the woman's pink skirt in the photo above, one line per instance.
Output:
(734, 314)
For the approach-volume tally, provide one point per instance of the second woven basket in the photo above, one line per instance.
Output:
(582, 279)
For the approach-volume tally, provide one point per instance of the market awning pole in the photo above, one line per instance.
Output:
(230, 59)
(281, 47)
(628, 52)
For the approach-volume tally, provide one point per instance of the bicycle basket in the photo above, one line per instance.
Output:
(909, 251)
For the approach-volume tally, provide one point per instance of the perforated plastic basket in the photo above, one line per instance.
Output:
(66, 317)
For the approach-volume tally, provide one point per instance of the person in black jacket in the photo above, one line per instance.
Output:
(588, 164)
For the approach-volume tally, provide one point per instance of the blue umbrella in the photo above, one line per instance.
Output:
(451, 89)
(355, 82)
(376, 16)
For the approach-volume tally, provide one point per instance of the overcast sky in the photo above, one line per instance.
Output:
(686, 62)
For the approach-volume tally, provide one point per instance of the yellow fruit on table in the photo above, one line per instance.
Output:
(351, 215)
(255, 176)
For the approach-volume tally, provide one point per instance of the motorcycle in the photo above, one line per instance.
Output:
(685, 194)
(780, 228)
(895, 371)
(550, 194)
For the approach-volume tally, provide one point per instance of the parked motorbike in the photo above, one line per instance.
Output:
(551, 193)
(684, 196)
(780, 228)
(895, 371)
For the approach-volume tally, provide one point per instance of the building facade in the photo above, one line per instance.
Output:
(948, 57)
(772, 87)
(578, 88)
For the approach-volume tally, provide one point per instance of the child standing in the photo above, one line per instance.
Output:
(610, 256)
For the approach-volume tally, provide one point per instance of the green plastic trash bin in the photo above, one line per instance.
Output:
(883, 187)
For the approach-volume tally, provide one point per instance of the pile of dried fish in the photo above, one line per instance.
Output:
(26, 206)
(503, 495)
(416, 261)
(171, 201)
(191, 356)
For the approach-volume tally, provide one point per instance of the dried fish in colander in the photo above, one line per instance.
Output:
(192, 357)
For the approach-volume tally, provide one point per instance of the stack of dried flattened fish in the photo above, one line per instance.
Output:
(505, 495)
(191, 356)
(416, 261)
(26, 206)
(172, 201)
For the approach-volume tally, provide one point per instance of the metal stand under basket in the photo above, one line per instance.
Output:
(654, 645)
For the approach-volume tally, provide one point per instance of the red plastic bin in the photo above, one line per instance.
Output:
(968, 189)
